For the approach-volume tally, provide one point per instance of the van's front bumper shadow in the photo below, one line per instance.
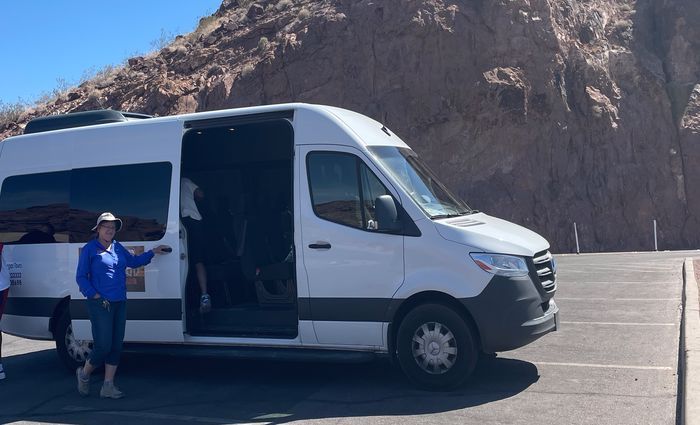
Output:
(511, 313)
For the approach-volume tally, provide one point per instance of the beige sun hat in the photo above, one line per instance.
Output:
(107, 216)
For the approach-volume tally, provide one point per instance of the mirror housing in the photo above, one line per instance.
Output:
(387, 215)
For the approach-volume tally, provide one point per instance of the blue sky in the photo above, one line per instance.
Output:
(44, 41)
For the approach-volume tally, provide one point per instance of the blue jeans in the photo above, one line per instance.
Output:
(107, 331)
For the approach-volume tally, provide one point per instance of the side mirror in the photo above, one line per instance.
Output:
(387, 216)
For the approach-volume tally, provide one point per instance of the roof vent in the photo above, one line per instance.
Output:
(79, 119)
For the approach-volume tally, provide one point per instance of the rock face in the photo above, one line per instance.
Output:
(542, 112)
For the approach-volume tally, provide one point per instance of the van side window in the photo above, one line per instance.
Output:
(343, 189)
(138, 193)
(34, 208)
(62, 206)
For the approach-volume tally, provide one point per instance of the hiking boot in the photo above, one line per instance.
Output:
(109, 390)
(205, 304)
(83, 384)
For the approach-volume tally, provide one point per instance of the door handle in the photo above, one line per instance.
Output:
(322, 245)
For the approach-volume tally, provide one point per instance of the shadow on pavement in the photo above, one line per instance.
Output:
(171, 389)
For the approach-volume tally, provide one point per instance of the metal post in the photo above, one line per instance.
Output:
(578, 249)
(656, 244)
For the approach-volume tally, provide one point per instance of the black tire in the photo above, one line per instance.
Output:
(453, 353)
(72, 352)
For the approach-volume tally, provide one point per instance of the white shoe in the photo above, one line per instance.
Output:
(109, 390)
(205, 304)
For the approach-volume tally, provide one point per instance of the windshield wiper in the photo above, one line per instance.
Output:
(454, 214)
(432, 217)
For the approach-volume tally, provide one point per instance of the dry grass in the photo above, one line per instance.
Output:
(11, 112)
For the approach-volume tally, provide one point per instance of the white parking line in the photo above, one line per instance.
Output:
(605, 366)
(619, 323)
(616, 299)
(570, 281)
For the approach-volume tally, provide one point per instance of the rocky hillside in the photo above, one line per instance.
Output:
(543, 112)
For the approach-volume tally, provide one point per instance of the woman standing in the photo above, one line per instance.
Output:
(101, 277)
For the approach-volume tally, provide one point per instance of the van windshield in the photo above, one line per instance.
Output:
(420, 182)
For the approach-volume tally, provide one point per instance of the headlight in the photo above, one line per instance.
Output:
(502, 265)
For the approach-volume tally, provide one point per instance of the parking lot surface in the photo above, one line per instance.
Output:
(614, 361)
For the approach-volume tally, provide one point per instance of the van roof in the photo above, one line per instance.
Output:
(79, 119)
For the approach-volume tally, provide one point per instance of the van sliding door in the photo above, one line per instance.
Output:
(132, 171)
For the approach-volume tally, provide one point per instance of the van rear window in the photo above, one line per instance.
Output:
(62, 206)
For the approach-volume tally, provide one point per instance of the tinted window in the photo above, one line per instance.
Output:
(34, 208)
(334, 187)
(63, 206)
(343, 189)
(138, 194)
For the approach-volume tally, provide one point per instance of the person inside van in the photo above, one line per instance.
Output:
(101, 277)
(4, 291)
(190, 193)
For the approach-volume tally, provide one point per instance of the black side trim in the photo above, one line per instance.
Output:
(34, 307)
(267, 353)
(344, 309)
(155, 309)
(240, 119)
(324, 309)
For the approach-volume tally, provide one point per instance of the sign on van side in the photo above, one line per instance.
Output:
(15, 270)
(135, 278)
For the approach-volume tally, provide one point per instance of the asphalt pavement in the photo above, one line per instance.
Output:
(614, 361)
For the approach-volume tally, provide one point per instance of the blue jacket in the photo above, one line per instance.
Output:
(103, 270)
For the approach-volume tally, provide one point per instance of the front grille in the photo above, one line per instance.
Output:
(546, 270)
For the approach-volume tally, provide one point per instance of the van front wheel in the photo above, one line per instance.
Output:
(71, 351)
(436, 347)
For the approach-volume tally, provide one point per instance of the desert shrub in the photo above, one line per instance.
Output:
(247, 69)
(264, 43)
(206, 25)
(165, 38)
(283, 4)
(245, 3)
(304, 13)
(10, 112)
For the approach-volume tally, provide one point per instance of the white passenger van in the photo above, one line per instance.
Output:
(327, 238)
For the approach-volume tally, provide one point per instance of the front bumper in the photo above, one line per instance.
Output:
(511, 313)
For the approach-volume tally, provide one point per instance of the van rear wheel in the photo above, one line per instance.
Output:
(436, 347)
(71, 351)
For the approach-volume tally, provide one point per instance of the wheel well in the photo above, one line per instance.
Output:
(429, 297)
(62, 306)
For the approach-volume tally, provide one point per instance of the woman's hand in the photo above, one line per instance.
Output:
(162, 249)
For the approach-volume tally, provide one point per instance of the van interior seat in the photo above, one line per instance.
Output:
(267, 258)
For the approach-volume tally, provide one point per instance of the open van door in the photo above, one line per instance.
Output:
(142, 174)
